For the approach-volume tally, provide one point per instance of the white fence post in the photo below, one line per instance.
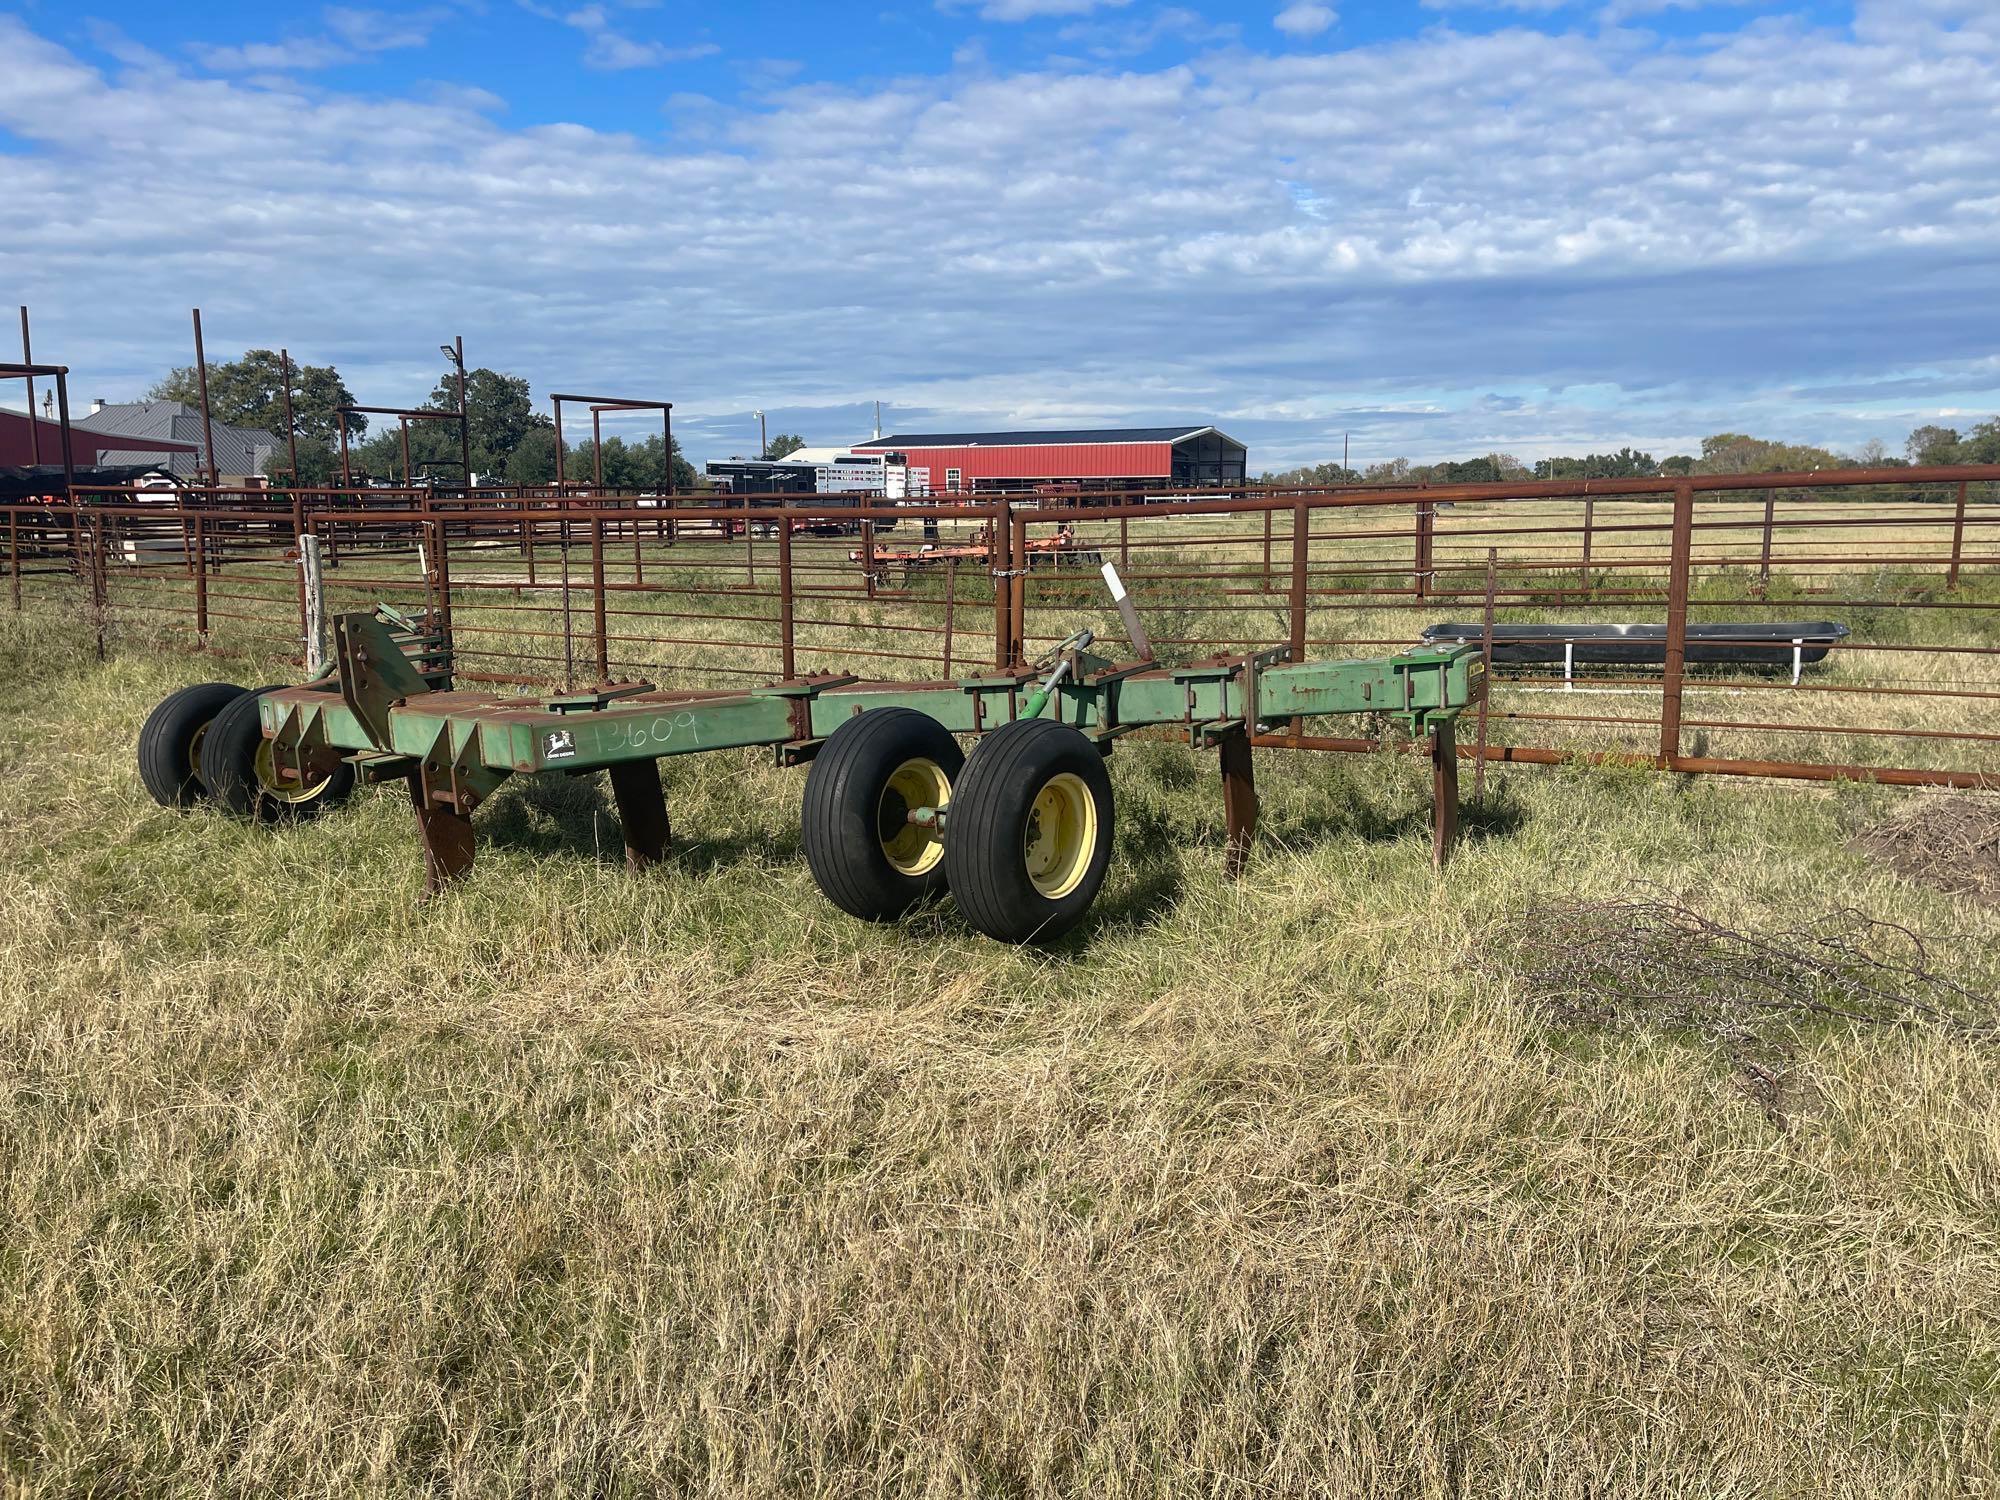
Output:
(315, 605)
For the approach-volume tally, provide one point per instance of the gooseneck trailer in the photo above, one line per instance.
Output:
(1019, 831)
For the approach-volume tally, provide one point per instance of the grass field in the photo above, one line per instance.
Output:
(580, 1183)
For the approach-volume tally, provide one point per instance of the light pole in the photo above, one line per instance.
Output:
(763, 447)
(455, 352)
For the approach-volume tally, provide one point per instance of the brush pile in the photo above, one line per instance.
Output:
(1660, 963)
(1949, 843)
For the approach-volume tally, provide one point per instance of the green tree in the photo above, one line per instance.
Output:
(1931, 444)
(250, 392)
(1312, 474)
(1738, 453)
(783, 443)
(533, 460)
(500, 416)
(1626, 463)
(1981, 445)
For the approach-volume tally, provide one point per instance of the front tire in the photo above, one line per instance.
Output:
(237, 769)
(868, 858)
(1030, 837)
(170, 742)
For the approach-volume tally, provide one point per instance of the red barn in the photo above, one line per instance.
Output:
(1098, 458)
(19, 433)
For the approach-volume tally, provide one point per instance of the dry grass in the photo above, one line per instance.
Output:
(575, 1183)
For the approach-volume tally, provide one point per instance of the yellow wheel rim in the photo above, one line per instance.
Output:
(912, 848)
(284, 791)
(194, 752)
(1061, 835)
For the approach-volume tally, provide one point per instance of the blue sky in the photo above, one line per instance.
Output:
(1445, 228)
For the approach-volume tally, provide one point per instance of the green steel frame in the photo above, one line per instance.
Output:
(389, 707)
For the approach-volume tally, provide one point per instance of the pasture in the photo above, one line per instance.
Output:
(1314, 1183)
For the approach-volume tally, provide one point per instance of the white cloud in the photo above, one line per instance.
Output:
(1119, 38)
(1620, 11)
(1525, 7)
(612, 51)
(1303, 18)
(351, 35)
(1030, 10)
(1638, 245)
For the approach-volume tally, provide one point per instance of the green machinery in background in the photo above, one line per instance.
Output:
(1019, 831)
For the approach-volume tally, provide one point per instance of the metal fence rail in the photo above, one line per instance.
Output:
(573, 584)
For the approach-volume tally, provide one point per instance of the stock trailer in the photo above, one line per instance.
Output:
(895, 812)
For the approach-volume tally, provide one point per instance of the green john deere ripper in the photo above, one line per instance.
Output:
(1018, 831)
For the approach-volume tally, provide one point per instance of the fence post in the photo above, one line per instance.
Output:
(868, 557)
(597, 612)
(1301, 561)
(299, 541)
(1017, 643)
(1677, 619)
(1426, 523)
(1486, 675)
(1957, 539)
(201, 580)
(100, 589)
(999, 536)
(1589, 526)
(14, 555)
(568, 605)
(1267, 551)
(1764, 558)
(1124, 544)
(787, 646)
(312, 593)
(950, 607)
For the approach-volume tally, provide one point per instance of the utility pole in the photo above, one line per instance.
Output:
(878, 419)
(1343, 450)
(763, 446)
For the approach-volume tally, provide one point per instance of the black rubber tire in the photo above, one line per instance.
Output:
(985, 850)
(847, 789)
(167, 742)
(229, 769)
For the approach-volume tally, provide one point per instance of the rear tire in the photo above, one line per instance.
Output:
(170, 742)
(236, 767)
(868, 858)
(1030, 836)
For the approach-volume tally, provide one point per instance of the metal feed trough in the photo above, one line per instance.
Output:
(1019, 831)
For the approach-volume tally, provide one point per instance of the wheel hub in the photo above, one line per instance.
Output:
(1060, 835)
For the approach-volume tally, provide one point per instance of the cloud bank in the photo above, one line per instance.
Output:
(1534, 241)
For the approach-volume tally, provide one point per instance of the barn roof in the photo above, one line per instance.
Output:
(1040, 437)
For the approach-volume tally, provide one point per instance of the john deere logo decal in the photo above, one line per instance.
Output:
(558, 744)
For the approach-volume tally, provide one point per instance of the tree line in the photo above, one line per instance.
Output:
(1723, 453)
(509, 441)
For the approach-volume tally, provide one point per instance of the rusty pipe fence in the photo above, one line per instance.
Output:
(566, 586)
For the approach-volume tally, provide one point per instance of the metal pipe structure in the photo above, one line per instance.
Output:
(207, 427)
(291, 423)
(28, 364)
